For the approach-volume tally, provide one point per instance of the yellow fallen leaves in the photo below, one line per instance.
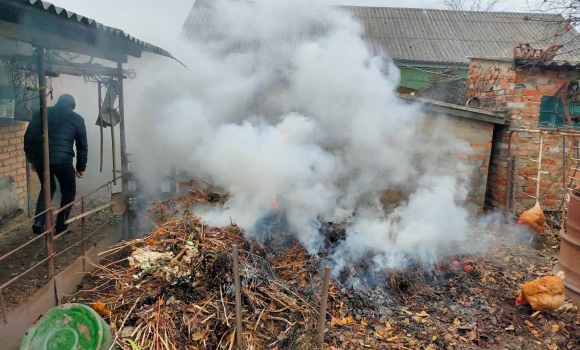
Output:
(100, 308)
(197, 336)
(344, 321)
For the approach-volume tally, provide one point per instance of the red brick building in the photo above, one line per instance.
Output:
(12, 158)
(522, 90)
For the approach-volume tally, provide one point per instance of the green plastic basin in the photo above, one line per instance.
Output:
(69, 327)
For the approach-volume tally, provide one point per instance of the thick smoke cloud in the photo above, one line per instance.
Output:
(328, 137)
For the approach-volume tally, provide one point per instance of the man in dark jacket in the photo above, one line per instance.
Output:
(65, 128)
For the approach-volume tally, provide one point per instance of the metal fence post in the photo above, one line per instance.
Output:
(83, 227)
(113, 146)
(3, 307)
(46, 161)
(124, 158)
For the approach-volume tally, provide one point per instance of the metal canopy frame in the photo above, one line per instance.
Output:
(42, 24)
(46, 26)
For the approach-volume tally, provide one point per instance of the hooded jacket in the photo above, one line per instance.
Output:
(65, 128)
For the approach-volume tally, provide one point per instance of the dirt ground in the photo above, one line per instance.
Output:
(448, 308)
(437, 307)
(21, 261)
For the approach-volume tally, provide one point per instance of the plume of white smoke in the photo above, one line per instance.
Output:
(329, 137)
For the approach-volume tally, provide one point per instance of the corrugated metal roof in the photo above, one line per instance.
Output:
(431, 36)
(69, 15)
(555, 63)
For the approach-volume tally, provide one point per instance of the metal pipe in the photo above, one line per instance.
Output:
(510, 171)
(239, 335)
(89, 213)
(547, 131)
(100, 93)
(26, 272)
(46, 159)
(69, 229)
(83, 240)
(539, 167)
(28, 191)
(21, 224)
(3, 308)
(112, 138)
(83, 228)
(124, 158)
(56, 211)
(564, 161)
(23, 246)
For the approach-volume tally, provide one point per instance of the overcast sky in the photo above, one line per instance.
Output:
(155, 21)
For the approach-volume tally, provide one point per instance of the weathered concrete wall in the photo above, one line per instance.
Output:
(518, 91)
(479, 136)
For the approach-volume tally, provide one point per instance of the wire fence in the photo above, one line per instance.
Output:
(78, 222)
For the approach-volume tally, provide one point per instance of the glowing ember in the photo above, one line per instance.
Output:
(275, 204)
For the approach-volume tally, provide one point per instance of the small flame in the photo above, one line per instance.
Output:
(275, 204)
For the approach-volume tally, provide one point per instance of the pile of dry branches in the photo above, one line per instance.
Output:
(173, 289)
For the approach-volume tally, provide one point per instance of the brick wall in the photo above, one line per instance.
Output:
(518, 91)
(12, 159)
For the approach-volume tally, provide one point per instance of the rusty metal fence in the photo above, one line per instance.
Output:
(542, 165)
(79, 219)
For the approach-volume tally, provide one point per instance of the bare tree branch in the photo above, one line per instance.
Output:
(473, 5)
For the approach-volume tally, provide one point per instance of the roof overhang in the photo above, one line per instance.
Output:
(42, 24)
(437, 107)
(527, 63)
(429, 64)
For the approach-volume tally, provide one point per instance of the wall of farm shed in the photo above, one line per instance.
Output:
(13, 161)
(501, 86)
(479, 135)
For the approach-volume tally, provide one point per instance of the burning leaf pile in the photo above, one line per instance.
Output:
(173, 289)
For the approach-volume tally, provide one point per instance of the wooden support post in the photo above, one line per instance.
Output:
(539, 168)
(124, 158)
(239, 334)
(323, 307)
(46, 161)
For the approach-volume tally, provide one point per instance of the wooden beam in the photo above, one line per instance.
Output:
(51, 41)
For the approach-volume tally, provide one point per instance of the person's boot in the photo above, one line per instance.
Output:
(37, 228)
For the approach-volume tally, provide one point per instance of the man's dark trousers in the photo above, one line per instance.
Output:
(65, 174)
